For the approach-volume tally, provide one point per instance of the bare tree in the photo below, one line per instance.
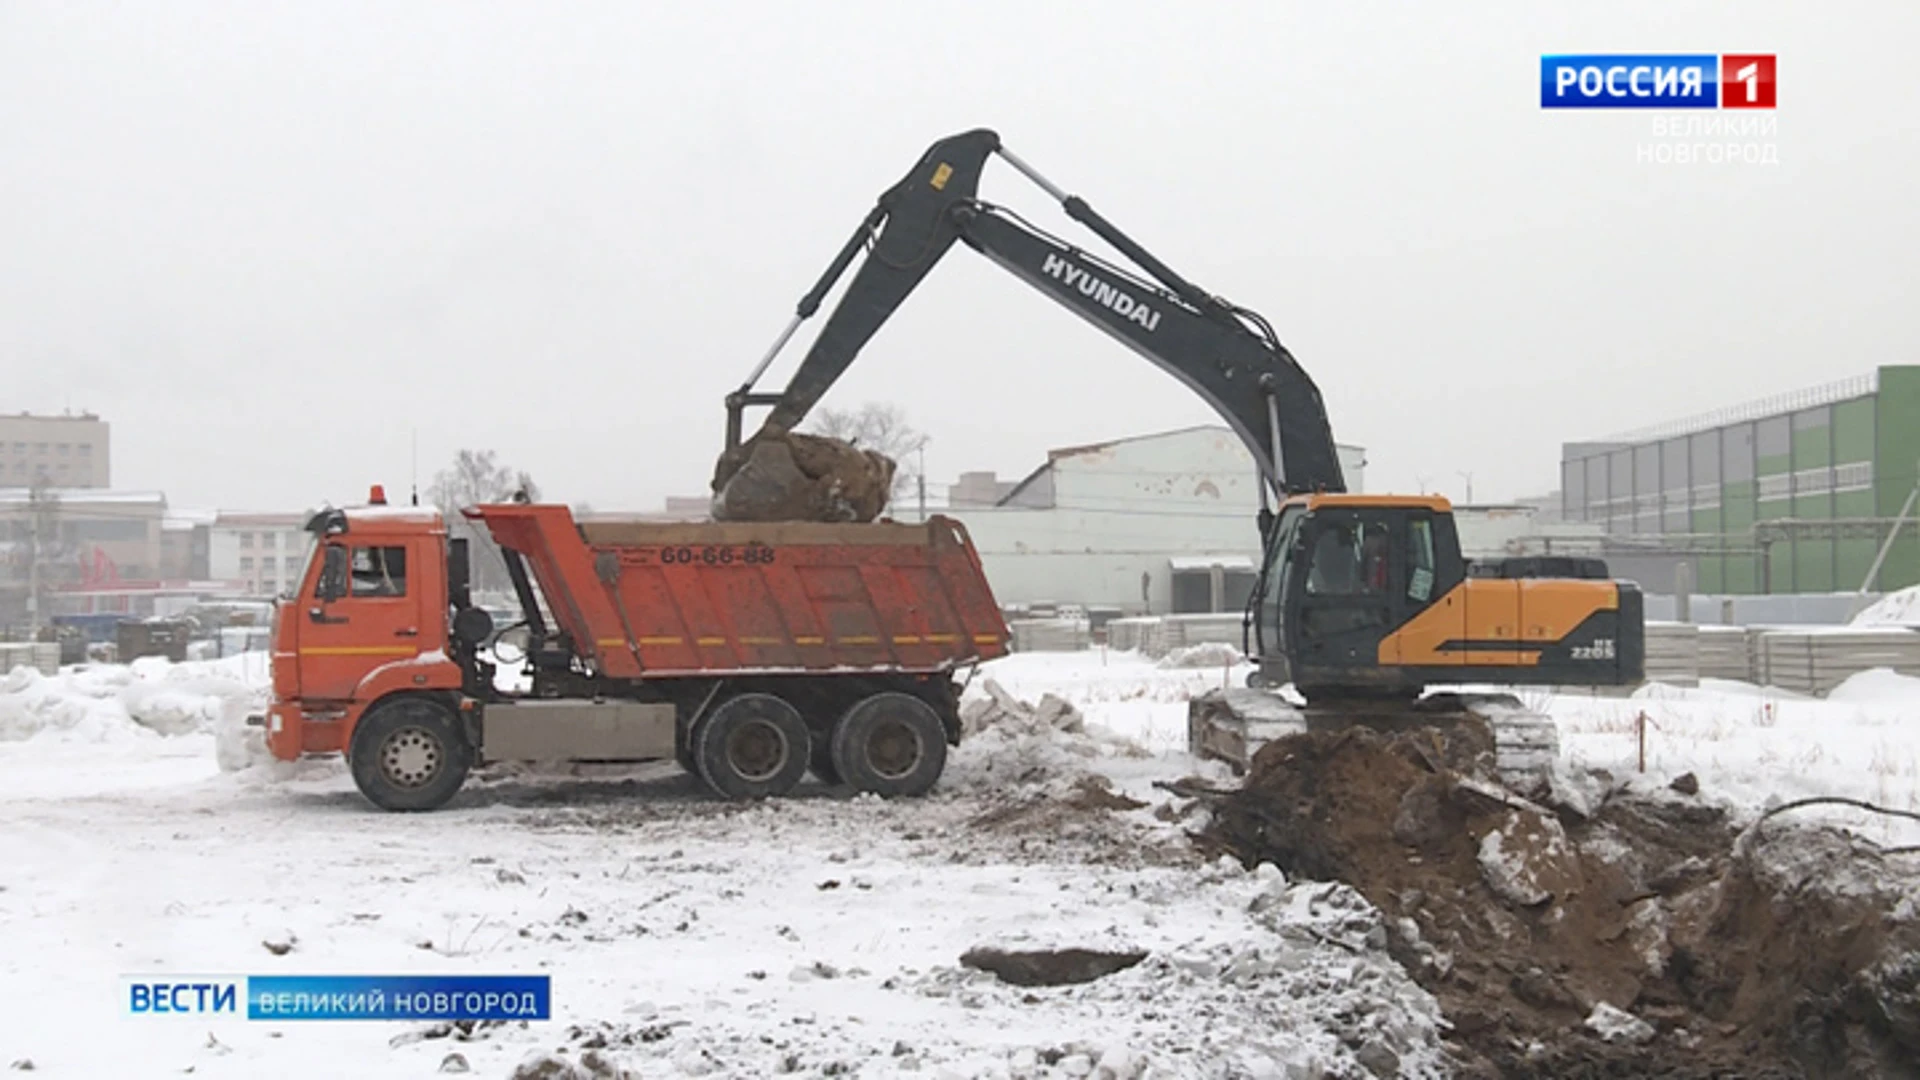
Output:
(475, 477)
(880, 427)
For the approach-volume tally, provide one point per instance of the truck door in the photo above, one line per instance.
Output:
(362, 611)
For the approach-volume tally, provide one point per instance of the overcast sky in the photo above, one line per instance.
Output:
(272, 242)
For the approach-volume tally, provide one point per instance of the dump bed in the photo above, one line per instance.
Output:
(644, 599)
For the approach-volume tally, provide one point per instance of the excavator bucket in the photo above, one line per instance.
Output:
(788, 476)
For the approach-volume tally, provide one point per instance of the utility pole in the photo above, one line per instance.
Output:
(1468, 477)
(42, 527)
(921, 468)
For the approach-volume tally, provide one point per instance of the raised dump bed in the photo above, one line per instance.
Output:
(649, 600)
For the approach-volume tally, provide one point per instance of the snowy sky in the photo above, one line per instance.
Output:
(275, 243)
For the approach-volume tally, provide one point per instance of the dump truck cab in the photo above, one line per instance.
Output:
(370, 617)
(1370, 596)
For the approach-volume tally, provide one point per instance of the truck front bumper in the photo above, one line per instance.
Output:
(292, 733)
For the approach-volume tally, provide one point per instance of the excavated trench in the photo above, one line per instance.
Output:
(1601, 933)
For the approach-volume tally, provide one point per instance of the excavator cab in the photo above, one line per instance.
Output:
(1368, 596)
(1342, 574)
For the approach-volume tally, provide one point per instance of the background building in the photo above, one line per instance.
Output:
(1790, 494)
(63, 451)
(56, 540)
(979, 489)
(263, 552)
(1155, 523)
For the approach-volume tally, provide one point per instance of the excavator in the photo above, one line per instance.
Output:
(1361, 602)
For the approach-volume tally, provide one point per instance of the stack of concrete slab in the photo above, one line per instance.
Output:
(1673, 653)
(1129, 633)
(42, 656)
(1815, 660)
(1180, 631)
(1725, 653)
(1049, 635)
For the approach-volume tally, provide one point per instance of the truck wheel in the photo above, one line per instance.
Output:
(890, 744)
(409, 754)
(753, 746)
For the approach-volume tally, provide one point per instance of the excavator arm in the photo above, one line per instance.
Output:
(1226, 354)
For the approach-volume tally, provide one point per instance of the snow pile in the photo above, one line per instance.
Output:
(1122, 692)
(1211, 654)
(1009, 744)
(1894, 609)
(97, 703)
(1877, 686)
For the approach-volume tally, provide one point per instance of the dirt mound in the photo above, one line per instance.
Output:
(787, 476)
(1607, 934)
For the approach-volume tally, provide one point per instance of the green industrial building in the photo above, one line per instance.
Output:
(1794, 494)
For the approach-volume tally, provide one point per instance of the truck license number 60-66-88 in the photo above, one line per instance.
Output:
(718, 554)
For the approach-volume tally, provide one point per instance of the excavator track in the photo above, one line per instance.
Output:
(1232, 724)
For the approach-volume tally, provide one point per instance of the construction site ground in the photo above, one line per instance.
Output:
(1622, 928)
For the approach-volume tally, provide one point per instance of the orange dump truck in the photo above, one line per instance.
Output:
(750, 653)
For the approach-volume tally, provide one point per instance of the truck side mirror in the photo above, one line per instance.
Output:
(333, 573)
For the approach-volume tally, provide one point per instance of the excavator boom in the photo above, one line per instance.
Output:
(1226, 354)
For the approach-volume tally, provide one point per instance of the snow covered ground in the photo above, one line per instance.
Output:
(818, 935)
(1751, 748)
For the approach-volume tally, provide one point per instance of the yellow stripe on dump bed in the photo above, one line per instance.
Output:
(760, 641)
(809, 641)
(861, 640)
(705, 641)
(660, 640)
(986, 639)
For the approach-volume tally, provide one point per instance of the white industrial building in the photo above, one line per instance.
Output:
(266, 553)
(1151, 524)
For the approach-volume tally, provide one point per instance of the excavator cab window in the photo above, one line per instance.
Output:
(1420, 569)
(1348, 585)
(1282, 549)
(1343, 556)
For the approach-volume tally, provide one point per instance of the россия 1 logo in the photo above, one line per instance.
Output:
(1673, 81)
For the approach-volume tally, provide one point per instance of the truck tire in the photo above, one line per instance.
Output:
(752, 746)
(409, 754)
(891, 744)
